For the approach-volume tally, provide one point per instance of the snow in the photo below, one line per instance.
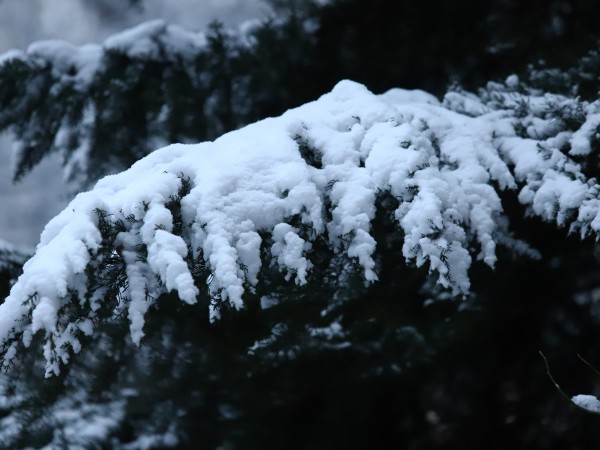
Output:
(587, 402)
(263, 194)
(12, 55)
(155, 39)
(580, 140)
(268, 302)
(68, 61)
(66, 68)
(512, 81)
(165, 258)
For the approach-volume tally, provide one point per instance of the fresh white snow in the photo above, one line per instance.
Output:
(587, 402)
(443, 162)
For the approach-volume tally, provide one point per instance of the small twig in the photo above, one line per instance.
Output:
(563, 393)
(556, 385)
(589, 365)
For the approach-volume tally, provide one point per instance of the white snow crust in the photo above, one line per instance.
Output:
(154, 40)
(150, 41)
(587, 402)
(323, 165)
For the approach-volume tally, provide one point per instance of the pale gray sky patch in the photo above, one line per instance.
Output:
(28, 205)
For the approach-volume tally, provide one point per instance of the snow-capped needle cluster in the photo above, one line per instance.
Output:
(247, 199)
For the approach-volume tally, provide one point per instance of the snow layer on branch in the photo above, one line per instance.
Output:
(79, 65)
(93, 79)
(263, 195)
(68, 62)
(154, 40)
(587, 402)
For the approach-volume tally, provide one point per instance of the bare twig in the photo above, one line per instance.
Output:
(563, 393)
(589, 365)
(556, 385)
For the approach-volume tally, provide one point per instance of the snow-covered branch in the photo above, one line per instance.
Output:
(72, 100)
(204, 219)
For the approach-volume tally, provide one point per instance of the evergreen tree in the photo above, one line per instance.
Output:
(275, 248)
(270, 233)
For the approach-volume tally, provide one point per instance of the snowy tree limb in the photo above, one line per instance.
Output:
(265, 194)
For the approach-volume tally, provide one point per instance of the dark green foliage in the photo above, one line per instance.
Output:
(11, 261)
(215, 384)
(398, 369)
(134, 105)
(394, 370)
